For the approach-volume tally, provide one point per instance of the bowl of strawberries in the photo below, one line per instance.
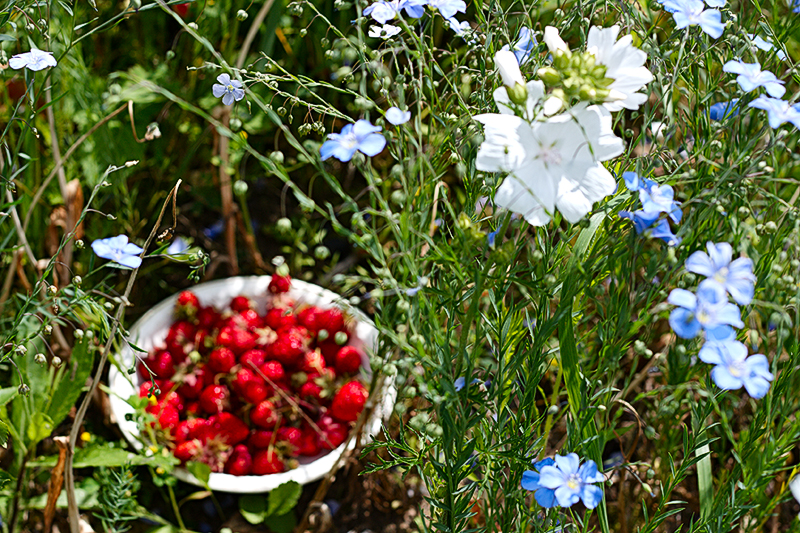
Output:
(262, 378)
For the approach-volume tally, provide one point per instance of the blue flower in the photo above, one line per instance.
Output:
(795, 6)
(228, 89)
(119, 250)
(778, 111)
(651, 225)
(633, 182)
(361, 136)
(461, 28)
(385, 11)
(459, 383)
(573, 482)
(523, 46)
(448, 8)
(763, 44)
(34, 60)
(722, 110)
(693, 13)
(659, 199)
(708, 310)
(734, 369)
(752, 77)
(735, 276)
(178, 246)
(530, 481)
(387, 31)
(396, 116)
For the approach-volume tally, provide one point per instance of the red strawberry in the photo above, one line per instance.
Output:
(313, 362)
(240, 462)
(333, 433)
(263, 415)
(349, 401)
(279, 318)
(309, 443)
(167, 416)
(162, 365)
(279, 284)
(181, 9)
(267, 462)
(203, 341)
(256, 391)
(309, 318)
(247, 319)
(146, 389)
(214, 399)
(221, 360)
(254, 356)
(310, 391)
(331, 320)
(242, 378)
(207, 318)
(273, 371)
(174, 399)
(348, 360)
(226, 427)
(290, 345)
(186, 305)
(186, 451)
(190, 429)
(329, 349)
(192, 409)
(238, 340)
(180, 334)
(241, 303)
(261, 438)
(292, 436)
(195, 382)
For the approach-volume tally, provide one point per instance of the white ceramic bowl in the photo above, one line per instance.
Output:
(151, 330)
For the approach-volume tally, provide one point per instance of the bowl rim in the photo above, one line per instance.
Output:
(122, 386)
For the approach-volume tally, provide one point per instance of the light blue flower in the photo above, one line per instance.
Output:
(384, 11)
(459, 383)
(734, 369)
(530, 481)
(778, 111)
(659, 199)
(722, 110)
(736, 276)
(573, 482)
(448, 8)
(708, 310)
(763, 44)
(752, 77)
(119, 250)
(523, 46)
(651, 225)
(361, 136)
(693, 13)
(397, 116)
(386, 31)
(716, 3)
(228, 89)
(178, 246)
(795, 5)
(633, 182)
(461, 28)
(34, 60)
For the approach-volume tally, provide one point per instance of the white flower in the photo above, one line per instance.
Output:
(35, 60)
(384, 32)
(553, 40)
(508, 67)
(552, 164)
(624, 64)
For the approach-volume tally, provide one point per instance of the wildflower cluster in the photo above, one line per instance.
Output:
(709, 312)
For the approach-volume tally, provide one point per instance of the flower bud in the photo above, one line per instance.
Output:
(553, 40)
(241, 15)
(23, 389)
(40, 359)
(56, 361)
(508, 67)
(340, 338)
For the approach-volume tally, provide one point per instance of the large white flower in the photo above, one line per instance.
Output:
(552, 164)
(624, 64)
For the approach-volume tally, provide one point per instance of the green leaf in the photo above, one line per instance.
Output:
(4, 37)
(284, 523)
(199, 470)
(283, 498)
(106, 455)
(86, 492)
(7, 394)
(3, 433)
(71, 380)
(705, 481)
(5, 479)
(253, 508)
(41, 427)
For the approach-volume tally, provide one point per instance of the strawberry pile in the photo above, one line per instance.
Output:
(247, 393)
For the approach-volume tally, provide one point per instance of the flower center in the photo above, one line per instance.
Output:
(230, 88)
(703, 316)
(721, 275)
(348, 141)
(550, 155)
(736, 368)
(574, 482)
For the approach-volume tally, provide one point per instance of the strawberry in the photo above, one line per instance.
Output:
(190, 429)
(256, 391)
(263, 415)
(226, 428)
(293, 437)
(247, 319)
(309, 443)
(180, 334)
(192, 409)
(186, 451)
(290, 345)
(331, 320)
(203, 341)
(348, 360)
(194, 382)
(174, 399)
(279, 284)
(349, 401)
(207, 318)
(254, 356)
(162, 365)
(167, 416)
(261, 438)
(273, 371)
(240, 462)
(313, 362)
(242, 378)
(238, 340)
(328, 349)
(221, 360)
(333, 433)
(267, 462)
(181, 9)
(309, 318)
(310, 391)
(279, 318)
(215, 398)
(241, 303)
(186, 305)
